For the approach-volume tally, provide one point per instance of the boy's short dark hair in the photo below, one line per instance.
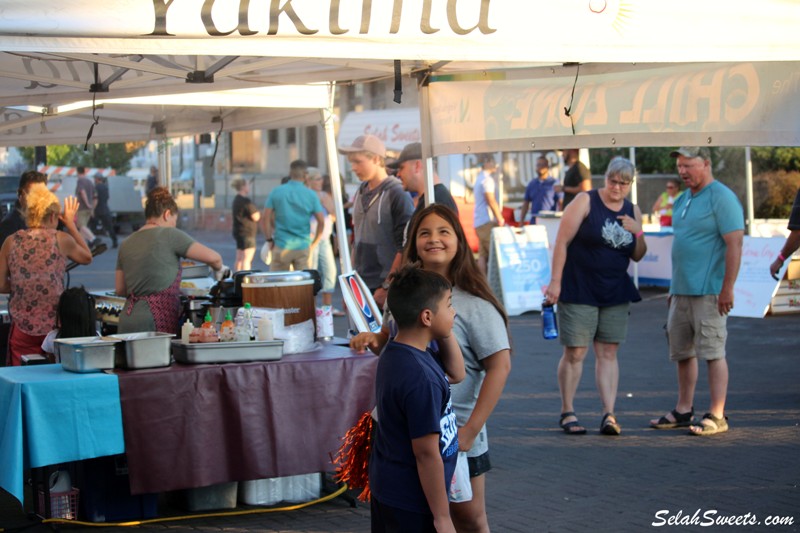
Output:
(413, 290)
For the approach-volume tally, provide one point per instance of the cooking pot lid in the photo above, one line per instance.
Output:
(261, 278)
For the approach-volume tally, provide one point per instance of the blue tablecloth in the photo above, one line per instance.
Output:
(50, 416)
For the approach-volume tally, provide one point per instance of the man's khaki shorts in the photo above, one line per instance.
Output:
(82, 217)
(285, 260)
(695, 328)
(484, 233)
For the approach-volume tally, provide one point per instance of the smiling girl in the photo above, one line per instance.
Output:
(437, 240)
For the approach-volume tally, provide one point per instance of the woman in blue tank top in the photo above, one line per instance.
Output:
(600, 232)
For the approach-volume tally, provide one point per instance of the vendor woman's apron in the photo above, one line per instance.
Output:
(165, 306)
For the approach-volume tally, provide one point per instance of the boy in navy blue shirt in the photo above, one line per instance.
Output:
(416, 442)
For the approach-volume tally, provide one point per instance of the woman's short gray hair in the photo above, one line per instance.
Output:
(621, 168)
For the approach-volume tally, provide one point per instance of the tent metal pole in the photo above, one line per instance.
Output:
(635, 200)
(336, 182)
(425, 137)
(748, 165)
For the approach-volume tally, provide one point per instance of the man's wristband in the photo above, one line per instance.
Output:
(385, 285)
(641, 232)
(270, 239)
(781, 257)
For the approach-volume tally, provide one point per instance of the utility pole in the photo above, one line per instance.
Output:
(39, 156)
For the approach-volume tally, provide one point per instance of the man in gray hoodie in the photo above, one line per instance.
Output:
(381, 209)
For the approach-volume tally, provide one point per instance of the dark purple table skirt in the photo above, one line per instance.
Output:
(195, 425)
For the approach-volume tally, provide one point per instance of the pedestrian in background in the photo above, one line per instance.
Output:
(541, 194)
(322, 258)
(486, 215)
(662, 208)
(600, 232)
(708, 224)
(102, 213)
(285, 220)
(15, 219)
(85, 193)
(381, 209)
(577, 178)
(152, 180)
(792, 241)
(245, 225)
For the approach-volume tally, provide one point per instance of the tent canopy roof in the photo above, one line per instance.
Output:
(73, 50)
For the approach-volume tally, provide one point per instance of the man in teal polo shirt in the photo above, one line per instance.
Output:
(708, 225)
(286, 221)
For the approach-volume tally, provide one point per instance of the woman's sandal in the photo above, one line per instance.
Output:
(609, 425)
(709, 425)
(681, 420)
(571, 428)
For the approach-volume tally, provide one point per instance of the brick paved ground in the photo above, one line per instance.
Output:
(544, 480)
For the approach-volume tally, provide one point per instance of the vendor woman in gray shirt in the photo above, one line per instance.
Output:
(149, 267)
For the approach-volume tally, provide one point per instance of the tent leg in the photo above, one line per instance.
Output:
(336, 182)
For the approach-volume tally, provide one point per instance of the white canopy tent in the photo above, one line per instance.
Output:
(155, 117)
(56, 54)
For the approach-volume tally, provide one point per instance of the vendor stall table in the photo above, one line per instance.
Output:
(197, 425)
(50, 416)
(186, 426)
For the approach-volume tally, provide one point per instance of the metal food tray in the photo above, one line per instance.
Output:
(226, 352)
(146, 349)
(86, 354)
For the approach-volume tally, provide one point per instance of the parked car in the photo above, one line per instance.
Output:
(8, 193)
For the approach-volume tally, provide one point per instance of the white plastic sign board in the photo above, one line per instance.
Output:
(755, 288)
(364, 313)
(519, 267)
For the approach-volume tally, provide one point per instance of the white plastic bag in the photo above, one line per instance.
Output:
(266, 254)
(460, 486)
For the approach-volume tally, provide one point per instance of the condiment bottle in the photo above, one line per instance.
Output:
(208, 332)
(248, 322)
(226, 329)
(241, 333)
(186, 331)
(265, 330)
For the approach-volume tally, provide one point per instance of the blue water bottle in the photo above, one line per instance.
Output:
(549, 323)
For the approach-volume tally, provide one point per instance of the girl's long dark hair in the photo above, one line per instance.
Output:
(464, 272)
(77, 316)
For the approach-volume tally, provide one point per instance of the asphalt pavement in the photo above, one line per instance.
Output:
(543, 480)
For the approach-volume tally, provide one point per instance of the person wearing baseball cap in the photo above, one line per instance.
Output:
(410, 171)
(381, 209)
(708, 226)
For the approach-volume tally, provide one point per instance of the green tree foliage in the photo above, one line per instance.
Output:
(117, 156)
(774, 188)
(772, 158)
(648, 160)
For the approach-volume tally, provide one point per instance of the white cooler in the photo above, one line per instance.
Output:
(269, 491)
